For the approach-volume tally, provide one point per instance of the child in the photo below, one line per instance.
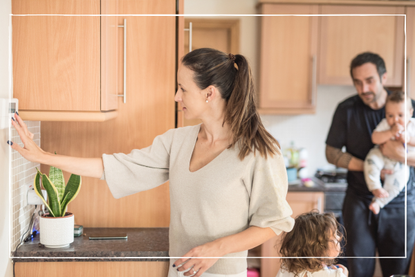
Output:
(315, 240)
(391, 127)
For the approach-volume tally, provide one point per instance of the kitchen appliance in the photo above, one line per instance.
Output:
(335, 184)
(335, 178)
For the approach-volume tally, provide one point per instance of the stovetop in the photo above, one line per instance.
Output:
(335, 178)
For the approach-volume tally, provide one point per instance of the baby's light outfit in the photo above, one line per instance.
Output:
(375, 162)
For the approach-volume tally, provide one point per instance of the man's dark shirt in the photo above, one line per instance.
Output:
(352, 127)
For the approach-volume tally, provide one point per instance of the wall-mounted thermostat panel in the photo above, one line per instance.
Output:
(13, 106)
(7, 109)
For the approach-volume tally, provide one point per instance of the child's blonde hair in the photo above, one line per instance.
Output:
(399, 97)
(310, 237)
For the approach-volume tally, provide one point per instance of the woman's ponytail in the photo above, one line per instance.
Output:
(232, 76)
(242, 116)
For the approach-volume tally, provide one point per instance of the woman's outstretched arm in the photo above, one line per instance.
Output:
(88, 167)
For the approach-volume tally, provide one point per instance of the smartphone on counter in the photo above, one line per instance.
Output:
(108, 236)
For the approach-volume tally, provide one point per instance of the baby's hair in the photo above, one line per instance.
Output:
(399, 97)
(310, 237)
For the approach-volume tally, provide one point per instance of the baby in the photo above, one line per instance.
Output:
(391, 127)
(311, 247)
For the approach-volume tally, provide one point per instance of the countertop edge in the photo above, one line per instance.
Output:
(85, 259)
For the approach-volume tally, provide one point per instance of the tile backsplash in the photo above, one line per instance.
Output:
(22, 175)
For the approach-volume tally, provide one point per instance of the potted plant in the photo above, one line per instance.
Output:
(57, 226)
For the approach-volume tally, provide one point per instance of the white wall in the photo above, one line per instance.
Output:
(308, 131)
(5, 263)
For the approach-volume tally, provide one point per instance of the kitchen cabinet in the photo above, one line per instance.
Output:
(65, 67)
(220, 34)
(343, 37)
(410, 52)
(104, 269)
(288, 57)
(300, 202)
(149, 111)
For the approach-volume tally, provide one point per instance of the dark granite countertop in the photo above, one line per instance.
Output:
(319, 186)
(143, 244)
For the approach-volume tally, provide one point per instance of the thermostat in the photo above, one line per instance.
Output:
(13, 105)
(8, 106)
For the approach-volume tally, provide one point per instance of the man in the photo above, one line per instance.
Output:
(353, 123)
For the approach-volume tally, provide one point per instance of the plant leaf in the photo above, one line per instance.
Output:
(73, 186)
(65, 202)
(55, 207)
(38, 190)
(56, 177)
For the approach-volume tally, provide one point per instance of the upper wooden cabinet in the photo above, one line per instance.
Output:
(65, 66)
(288, 57)
(299, 52)
(220, 34)
(148, 112)
(343, 37)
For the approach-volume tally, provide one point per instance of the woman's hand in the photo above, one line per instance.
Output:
(197, 259)
(202, 257)
(31, 151)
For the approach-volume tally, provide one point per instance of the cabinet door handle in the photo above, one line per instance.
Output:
(190, 29)
(124, 95)
(408, 75)
(313, 80)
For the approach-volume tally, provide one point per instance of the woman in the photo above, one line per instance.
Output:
(227, 177)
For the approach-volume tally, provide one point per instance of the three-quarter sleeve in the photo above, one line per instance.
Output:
(142, 169)
(268, 206)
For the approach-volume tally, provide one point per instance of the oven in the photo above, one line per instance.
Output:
(335, 184)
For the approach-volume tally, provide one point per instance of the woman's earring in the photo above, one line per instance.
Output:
(207, 101)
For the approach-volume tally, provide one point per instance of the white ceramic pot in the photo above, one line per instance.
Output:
(56, 232)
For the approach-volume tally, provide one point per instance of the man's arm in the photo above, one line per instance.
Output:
(343, 159)
(395, 150)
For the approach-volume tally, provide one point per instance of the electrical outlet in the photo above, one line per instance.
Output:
(34, 199)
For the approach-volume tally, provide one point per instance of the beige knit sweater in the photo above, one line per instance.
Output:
(223, 198)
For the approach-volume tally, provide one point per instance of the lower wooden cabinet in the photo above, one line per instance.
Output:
(89, 269)
(300, 202)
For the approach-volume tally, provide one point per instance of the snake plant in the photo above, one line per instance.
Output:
(59, 195)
